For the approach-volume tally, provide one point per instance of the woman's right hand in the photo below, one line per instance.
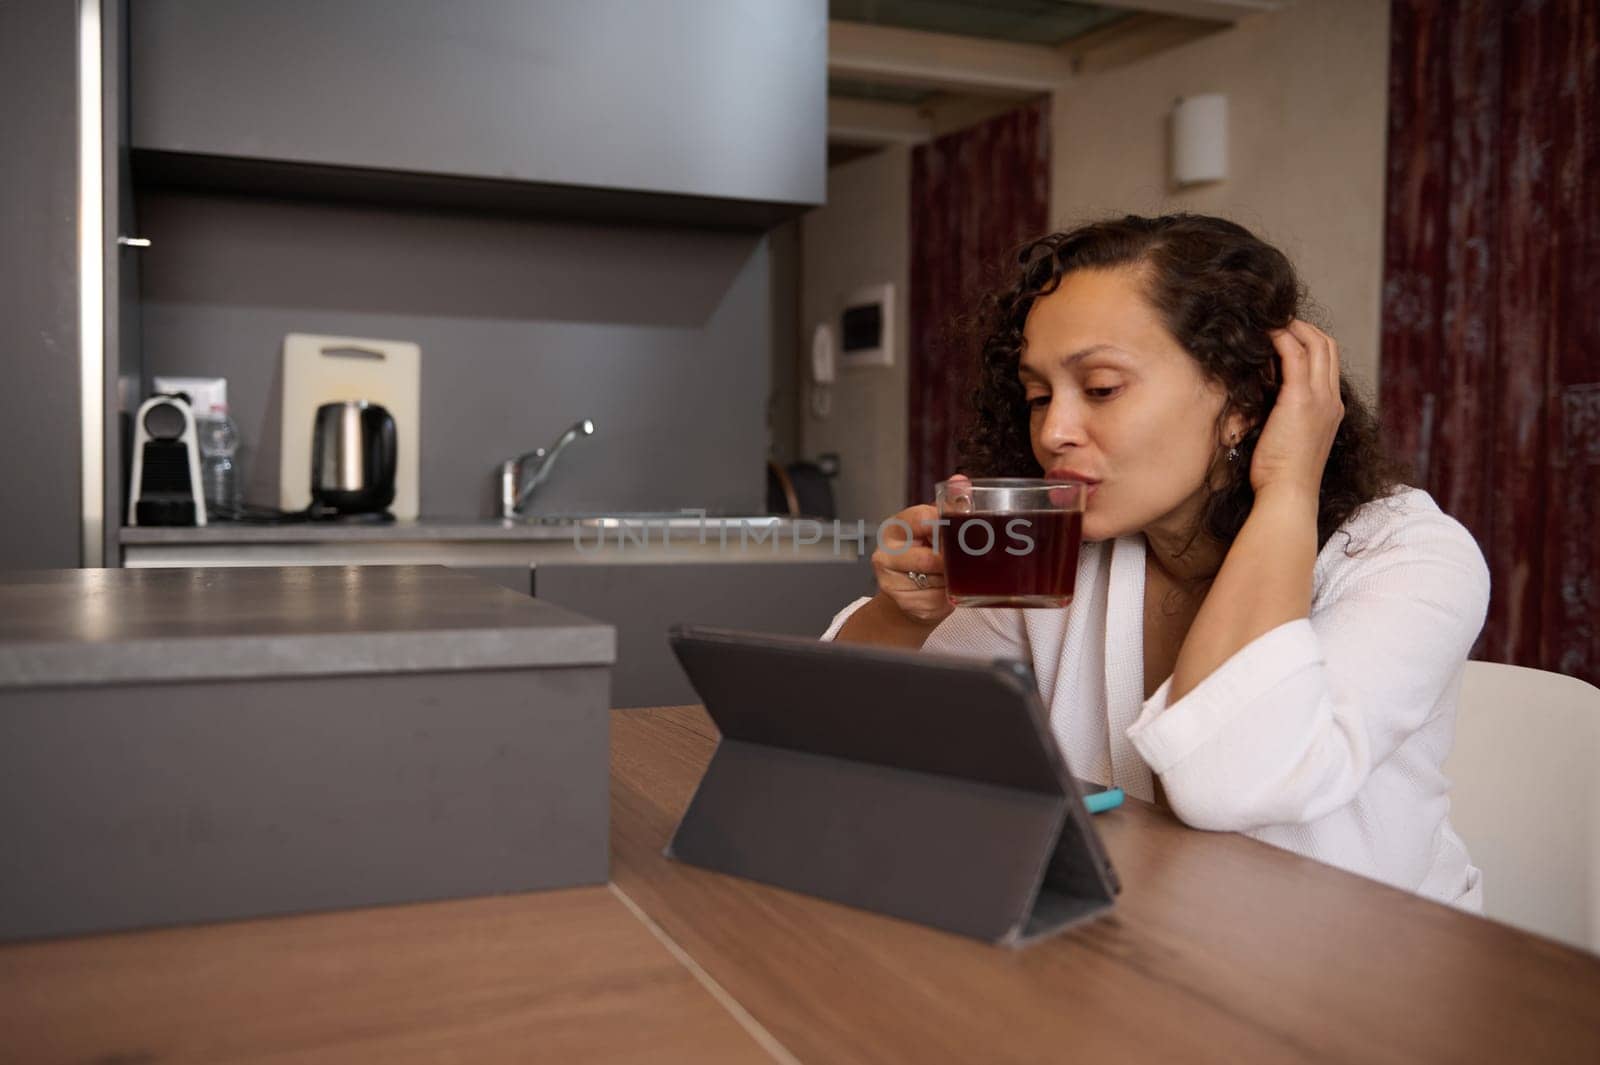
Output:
(898, 556)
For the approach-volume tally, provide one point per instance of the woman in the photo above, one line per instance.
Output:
(1268, 626)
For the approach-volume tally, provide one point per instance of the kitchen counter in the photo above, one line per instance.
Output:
(485, 543)
(192, 745)
(89, 627)
(590, 532)
(642, 578)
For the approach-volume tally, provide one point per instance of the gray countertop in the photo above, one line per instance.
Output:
(77, 627)
(687, 528)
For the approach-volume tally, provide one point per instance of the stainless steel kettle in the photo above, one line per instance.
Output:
(353, 446)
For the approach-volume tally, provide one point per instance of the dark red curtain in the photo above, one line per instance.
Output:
(1491, 308)
(975, 195)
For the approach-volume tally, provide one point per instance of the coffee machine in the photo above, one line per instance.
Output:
(165, 479)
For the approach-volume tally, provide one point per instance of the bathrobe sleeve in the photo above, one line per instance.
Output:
(843, 616)
(1289, 728)
(967, 633)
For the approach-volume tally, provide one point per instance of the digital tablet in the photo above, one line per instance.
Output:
(925, 786)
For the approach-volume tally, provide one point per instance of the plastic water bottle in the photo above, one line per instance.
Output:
(219, 469)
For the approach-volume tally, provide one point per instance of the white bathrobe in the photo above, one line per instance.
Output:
(1325, 736)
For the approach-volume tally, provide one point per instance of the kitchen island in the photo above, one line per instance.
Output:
(198, 744)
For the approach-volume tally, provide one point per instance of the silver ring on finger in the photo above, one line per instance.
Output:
(919, 579)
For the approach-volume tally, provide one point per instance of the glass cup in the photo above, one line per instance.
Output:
(1010, 541)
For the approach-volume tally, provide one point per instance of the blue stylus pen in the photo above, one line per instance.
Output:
(1098, 802)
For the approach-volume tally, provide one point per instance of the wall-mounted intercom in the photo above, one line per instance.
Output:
(866, 327)
(824, 369)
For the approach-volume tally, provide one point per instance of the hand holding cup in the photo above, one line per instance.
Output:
(910, 571)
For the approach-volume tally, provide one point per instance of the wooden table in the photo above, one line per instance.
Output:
(1220, 949)
(560, 976)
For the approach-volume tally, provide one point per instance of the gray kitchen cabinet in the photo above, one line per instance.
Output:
(643, 601)
(188, 745)
(62, 493)
(39, 323)
(694, 99)
(340, 120)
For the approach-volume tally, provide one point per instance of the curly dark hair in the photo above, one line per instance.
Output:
(1220, 290)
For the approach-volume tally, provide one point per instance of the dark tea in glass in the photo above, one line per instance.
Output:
(1010, 542)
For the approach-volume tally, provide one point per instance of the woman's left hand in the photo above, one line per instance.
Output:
(1294, 444)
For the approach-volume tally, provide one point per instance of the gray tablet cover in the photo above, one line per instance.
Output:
(916, 785)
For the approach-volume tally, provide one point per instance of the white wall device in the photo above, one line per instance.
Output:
(866, 327)
(824, 368)
(1200, 139)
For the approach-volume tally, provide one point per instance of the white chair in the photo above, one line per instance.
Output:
(1526, 797)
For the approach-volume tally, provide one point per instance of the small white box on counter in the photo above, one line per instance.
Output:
(205, 393)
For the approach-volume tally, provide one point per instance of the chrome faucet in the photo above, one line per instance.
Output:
(516, 485)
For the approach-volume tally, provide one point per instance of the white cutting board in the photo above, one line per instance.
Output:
(324, 369)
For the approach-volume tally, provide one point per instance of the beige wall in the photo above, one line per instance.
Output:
(862, 237)
(1307, 95)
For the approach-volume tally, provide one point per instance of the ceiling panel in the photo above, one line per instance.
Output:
(853, 89)
(1022, 21)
